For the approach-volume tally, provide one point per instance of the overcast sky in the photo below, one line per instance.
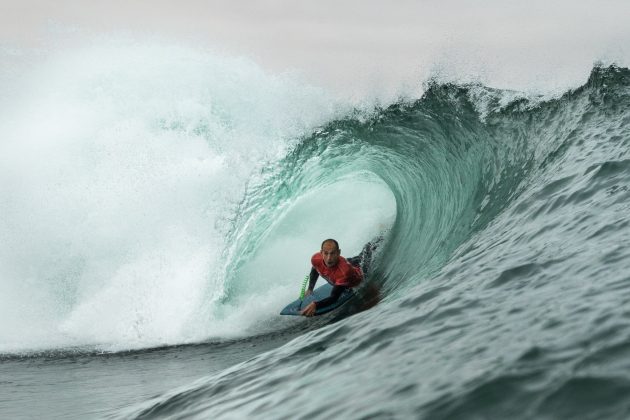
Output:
(358, 45)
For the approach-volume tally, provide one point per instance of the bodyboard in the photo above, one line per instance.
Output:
(320, 293)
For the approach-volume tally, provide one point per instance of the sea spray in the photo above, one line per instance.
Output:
(120, 169)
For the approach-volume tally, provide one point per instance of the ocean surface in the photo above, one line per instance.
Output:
(156, 218)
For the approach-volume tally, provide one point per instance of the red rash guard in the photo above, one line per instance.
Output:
(342, 274)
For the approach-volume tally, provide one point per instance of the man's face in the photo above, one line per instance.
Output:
(330, 254)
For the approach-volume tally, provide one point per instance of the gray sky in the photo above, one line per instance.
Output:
(356, 47)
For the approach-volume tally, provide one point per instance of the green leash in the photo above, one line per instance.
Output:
(304, 283)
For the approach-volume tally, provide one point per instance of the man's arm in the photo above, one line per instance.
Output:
(314, 275)
(334, 296)
(356, 261)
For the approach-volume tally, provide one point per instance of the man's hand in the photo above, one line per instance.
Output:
(309, 310)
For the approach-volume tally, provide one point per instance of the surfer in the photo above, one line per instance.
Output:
(340, 272)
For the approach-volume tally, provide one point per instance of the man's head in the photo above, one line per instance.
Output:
(330, 252)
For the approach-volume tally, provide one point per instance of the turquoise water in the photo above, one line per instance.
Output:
(182, 217)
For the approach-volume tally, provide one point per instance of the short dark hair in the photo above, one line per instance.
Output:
(330, 240)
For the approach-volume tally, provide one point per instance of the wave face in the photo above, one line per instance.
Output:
(503, 276)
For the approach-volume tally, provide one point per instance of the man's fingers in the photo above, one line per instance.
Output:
(309, 310)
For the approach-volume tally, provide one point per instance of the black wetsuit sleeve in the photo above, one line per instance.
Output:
(334, 296)
(356, 261)
(313, 278)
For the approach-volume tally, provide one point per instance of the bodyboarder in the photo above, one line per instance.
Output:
(340, 272)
